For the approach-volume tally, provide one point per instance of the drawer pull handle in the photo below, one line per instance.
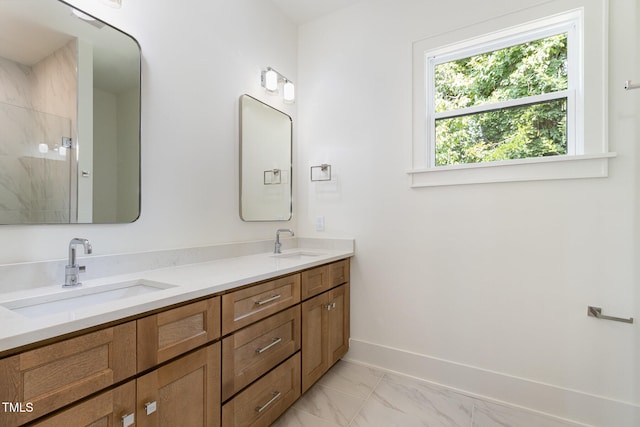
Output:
(274, 342)
(150, 407)
(265, 301)
(276, 395)
(331, 306)
(128, 420)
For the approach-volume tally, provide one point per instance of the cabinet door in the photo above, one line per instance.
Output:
(184, 392)
(55, 375)
(115, 407)
(339, 325)
(171, 333)
(325, 333)
(250, 352)
(314, 339)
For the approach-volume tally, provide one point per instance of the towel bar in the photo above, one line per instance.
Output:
(597, 312)
(628, 85)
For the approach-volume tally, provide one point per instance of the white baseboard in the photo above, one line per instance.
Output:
(554, 401)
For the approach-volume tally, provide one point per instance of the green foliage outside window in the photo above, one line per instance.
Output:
(524, 131)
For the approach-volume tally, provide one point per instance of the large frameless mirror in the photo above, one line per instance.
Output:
(265, 162)
(69, 117)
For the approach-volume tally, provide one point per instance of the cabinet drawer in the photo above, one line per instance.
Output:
(166, 335)
(254, 350)
(266, 399)
(320, 279)
(58, 374)
(246, 306)
(106, 409)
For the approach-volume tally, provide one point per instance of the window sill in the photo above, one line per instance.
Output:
(547, 168)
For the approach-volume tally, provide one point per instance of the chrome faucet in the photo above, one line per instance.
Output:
(72, 270)
(278, 245)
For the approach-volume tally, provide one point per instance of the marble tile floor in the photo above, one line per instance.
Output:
(354, 395)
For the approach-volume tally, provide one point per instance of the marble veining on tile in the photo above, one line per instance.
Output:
(295, 418)
(404, 401)
(392, 400)
(352, 379)
(330, 405)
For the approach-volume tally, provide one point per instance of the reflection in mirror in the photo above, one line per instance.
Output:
(69, 117)
(265, 162)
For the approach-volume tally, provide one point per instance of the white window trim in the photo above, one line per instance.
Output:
(587, 138)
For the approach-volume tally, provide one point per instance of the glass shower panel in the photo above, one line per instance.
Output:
(35, 167)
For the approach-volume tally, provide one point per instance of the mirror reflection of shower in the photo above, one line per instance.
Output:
(69, 117)
(35, 177)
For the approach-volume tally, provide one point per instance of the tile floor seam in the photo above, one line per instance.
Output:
(473, 412)
(364, 402)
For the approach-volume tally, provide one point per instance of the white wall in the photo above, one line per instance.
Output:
(198, 58)
(128, 156)
(105, 150)
(492, 278)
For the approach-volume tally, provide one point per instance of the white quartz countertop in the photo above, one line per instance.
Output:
(185, 283)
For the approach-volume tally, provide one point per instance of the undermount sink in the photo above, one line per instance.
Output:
(71, 300)
(297, 255)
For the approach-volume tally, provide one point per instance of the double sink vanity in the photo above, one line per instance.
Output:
(224, 335)
(231, 342)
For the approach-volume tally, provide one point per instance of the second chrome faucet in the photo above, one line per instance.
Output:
(278, 245)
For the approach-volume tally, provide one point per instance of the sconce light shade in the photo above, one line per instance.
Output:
(289, 92)
(270, 80)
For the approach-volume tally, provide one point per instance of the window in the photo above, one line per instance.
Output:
(503, 104)
(508, 97)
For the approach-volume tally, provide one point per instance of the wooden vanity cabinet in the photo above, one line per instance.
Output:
(58, 374)
(325, 333)
(184, 392)
(257, 385)
(255, 349)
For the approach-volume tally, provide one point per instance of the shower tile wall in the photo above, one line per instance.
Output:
(37, 105)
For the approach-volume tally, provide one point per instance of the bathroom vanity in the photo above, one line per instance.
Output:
(237, 356)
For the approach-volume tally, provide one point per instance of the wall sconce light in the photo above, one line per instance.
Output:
(270, 79)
